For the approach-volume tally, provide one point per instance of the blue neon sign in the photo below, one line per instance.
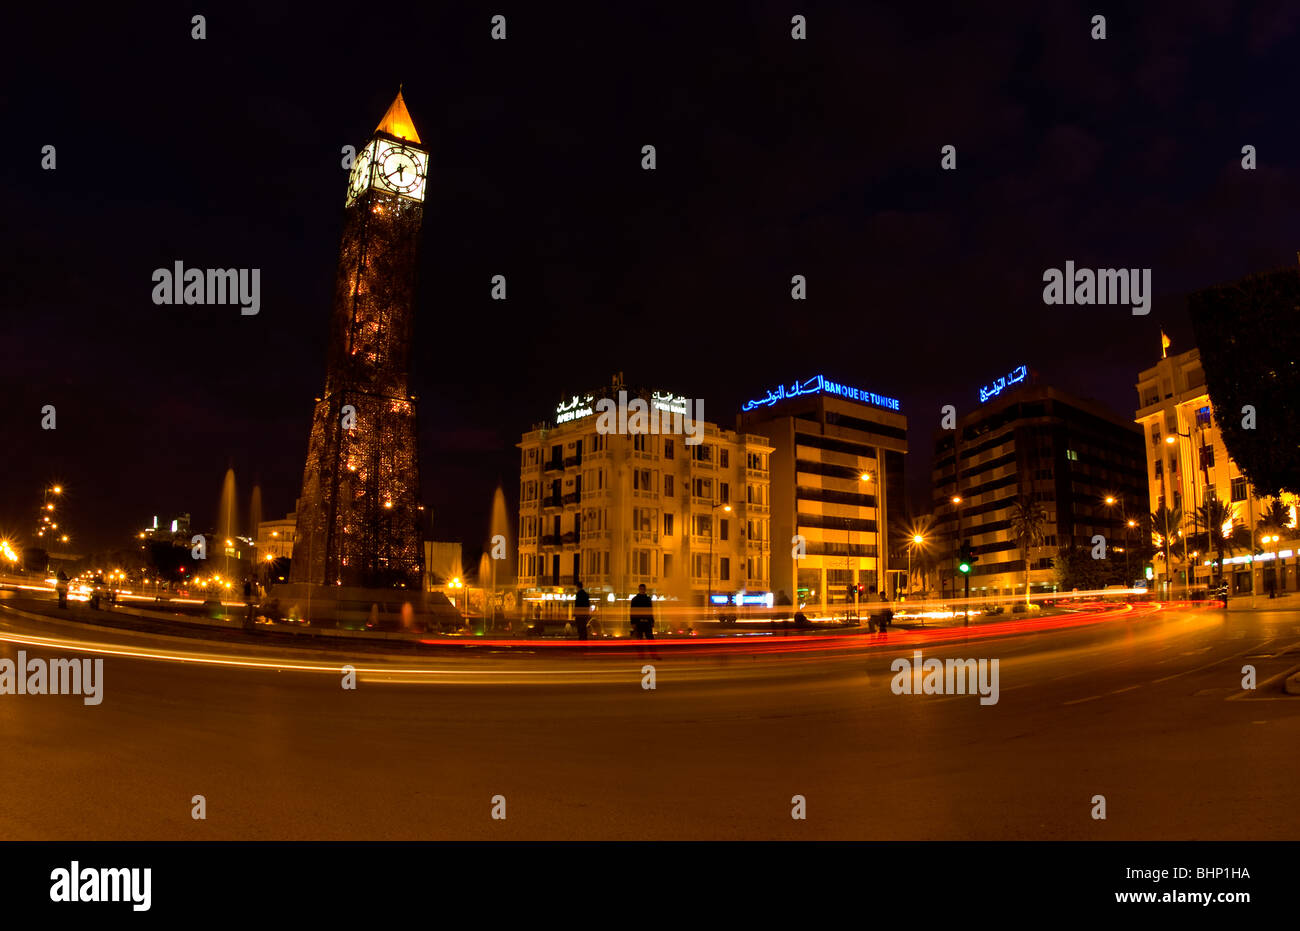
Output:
(820, 384)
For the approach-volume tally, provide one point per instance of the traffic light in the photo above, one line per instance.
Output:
(966, 558)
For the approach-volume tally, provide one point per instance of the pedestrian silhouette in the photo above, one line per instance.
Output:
(581, 611)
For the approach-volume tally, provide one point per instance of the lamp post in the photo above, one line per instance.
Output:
(864, 477)
(708, 595)
(956, 542)
(1131, 523)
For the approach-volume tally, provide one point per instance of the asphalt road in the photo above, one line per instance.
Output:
(1143, 706)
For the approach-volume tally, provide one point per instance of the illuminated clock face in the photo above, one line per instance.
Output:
(400, 170)
(359, 180)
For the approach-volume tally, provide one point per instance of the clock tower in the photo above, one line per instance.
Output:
(359, 517)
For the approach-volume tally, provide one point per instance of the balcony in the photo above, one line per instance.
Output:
(572, 461)
(551, 501)
(568, 539)
(570, 498)
(553, 465)
(550, 539)
(645, 536)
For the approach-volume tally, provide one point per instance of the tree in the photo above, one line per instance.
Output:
(1028, 518)
(1075, 568)
(166, 559)
(1250, 350)
(1165, 523)
(1215, 515)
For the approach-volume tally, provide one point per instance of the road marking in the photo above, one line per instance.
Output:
(1217, 662)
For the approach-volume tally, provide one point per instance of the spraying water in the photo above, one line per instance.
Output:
(226, 526)
(255, 512)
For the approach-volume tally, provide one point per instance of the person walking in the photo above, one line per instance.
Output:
(62, 588)
(642, 615)
(581, 611)
(886, 612)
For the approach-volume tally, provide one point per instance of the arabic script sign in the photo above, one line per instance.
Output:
(820, 384)
(1015, 376)
(581, 405)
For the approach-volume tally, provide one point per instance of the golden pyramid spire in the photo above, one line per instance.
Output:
(397, 121)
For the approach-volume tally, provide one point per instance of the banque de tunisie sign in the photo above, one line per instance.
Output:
(820, 384)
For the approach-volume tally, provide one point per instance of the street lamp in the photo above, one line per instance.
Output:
(917, 540)
(708, 595)
(1110, 502)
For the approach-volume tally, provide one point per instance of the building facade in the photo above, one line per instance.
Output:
(836, 477)
(1082, 462)
(615, 510)
(275, 538)
(1187, 466)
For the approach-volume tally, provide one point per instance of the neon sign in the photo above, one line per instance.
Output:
(1015, 376)
(820, 384)
(581, 406)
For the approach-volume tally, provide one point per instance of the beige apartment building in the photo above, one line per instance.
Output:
(618, 509)
(1188, 464)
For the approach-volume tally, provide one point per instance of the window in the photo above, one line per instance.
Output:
(702, 525)
(641, 480)
(668, 451)
(724, 493)
(723, 526)
(643, 519)
(668, 525)
(1203, 416)
(668, 564)
(724, 569)
(1160, 467)
(641, 562)
(702, 453)
(1207, 457)
(668, 486)
(1155, 436)
(1239, 489)
(1071, 455)
(703, 488)
(723, 458)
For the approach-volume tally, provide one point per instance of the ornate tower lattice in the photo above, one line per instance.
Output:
(358, 517)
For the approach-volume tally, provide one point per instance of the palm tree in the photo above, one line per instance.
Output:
(1215, 515)
(1275, 518)
(1273, 521)
(1165, 523)
(1028, 518)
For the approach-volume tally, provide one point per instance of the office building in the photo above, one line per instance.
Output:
(836, 477)
(1023, 442)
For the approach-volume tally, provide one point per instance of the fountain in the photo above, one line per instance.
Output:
(226, 526)
(500, 572)
(255, 512)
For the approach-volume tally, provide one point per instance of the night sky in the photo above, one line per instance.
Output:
(775, 157)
